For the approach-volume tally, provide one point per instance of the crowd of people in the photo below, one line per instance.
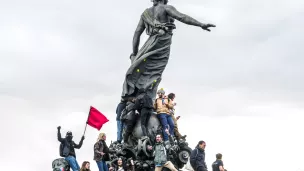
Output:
(128, 112)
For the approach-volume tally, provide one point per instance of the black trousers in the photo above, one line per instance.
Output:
(144, 119)
(129, 126)
(200, 168)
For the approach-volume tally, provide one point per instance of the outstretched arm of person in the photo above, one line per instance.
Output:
(78, 146)
(136, 38)
(185, 18)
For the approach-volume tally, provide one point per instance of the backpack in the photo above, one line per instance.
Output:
(193, 161)
(64, 149)
(60, 165)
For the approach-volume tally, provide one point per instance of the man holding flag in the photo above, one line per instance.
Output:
(67, 147)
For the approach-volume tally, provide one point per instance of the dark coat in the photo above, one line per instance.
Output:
(68, 146)
(197, 159)
(119, 109)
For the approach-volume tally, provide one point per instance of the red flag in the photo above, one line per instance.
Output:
(96, 119)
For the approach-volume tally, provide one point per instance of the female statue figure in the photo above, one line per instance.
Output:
(148, 64)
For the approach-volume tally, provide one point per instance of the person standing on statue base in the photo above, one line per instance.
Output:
(197, 157)
(120, 107)
(144, 105)
(162, 105)
(160, 155)
(67, 148)
(101, 152)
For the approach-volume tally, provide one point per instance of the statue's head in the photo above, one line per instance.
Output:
(156, 2)
(69, 136)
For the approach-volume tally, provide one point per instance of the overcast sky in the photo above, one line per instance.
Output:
(240, 87)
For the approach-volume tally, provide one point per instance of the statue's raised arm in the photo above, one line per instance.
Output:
(172, 12)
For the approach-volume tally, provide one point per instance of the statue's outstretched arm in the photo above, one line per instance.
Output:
(185, 18)
(136, 38)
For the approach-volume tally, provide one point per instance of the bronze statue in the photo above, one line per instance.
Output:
(150, 61)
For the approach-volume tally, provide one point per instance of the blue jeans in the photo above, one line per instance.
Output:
(167, 123)
(119, 130)
(102, 166)
(73, 163)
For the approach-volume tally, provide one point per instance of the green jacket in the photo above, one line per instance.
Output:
(160, 154)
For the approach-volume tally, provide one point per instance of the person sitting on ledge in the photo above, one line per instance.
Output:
(162, 105)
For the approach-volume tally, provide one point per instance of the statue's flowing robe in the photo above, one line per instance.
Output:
(148, 65)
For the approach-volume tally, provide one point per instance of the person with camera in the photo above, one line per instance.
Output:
(67, 148)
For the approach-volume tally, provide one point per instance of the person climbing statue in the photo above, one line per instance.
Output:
(120, 107)
(67, 148)
(162, 105)
(129, 118)
(144, 105)
(171, 97)
(101, 152)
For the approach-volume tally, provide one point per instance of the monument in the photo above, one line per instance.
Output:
(147, 66)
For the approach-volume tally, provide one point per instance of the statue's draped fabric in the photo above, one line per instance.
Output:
(148, 65)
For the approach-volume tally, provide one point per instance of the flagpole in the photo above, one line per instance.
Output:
(85, 128)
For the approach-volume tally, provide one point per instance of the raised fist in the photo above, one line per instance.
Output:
(206, 26)
(59, 127)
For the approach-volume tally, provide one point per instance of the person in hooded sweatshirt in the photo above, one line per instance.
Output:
(67, 148)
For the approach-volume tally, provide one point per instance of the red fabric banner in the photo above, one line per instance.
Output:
(96, 119)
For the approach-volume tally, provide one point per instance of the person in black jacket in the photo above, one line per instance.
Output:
(101, 152)
(120, 107)
(144, 105)
(67, 149)
(218, 165)
(129, 118)
(197, 157)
